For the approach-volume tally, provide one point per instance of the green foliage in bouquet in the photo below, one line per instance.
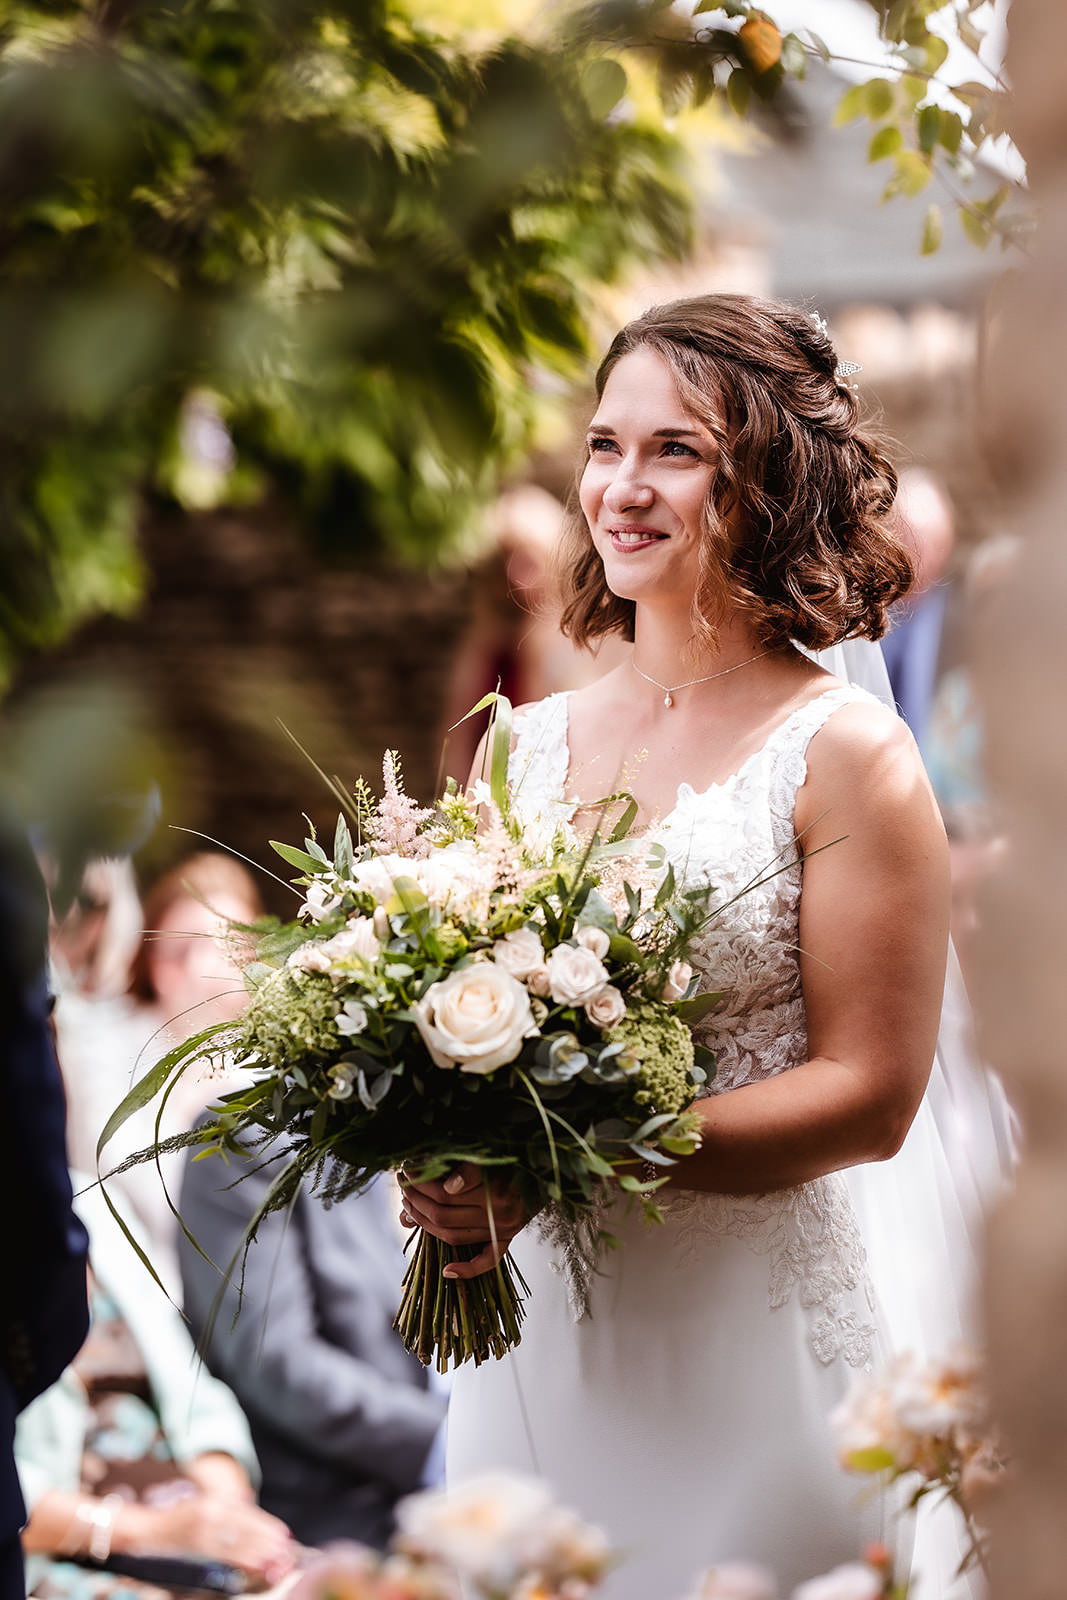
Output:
(499, 994)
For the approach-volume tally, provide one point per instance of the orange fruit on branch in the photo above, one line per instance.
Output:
(761, 42)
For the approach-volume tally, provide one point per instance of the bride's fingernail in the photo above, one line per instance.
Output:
(450, 1272)
(453, 1184)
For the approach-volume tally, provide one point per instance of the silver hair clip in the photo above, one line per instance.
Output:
(844, 369)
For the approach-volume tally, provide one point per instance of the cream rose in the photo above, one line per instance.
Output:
(475, 1019)
(735, 1581)
(606, 1008)
(854, 1581)
(519, 953)
(594, 939)
(574, 974)
(677, 981)
(377, 875)
(310, 957)
(357, 938)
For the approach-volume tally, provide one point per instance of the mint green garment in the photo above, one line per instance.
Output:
(197, 1413)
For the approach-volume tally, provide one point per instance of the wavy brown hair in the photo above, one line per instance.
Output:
(797, 531)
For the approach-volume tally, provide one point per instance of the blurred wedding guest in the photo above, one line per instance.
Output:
(343, 1418)
(43, 1309)
(91, 947)
(135, 1452)
(182, 974)
(94, 942)
(912, 647)
(514, 637)
(955, 747)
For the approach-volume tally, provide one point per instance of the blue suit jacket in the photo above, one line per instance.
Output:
(44, 1316)
(342, 1418)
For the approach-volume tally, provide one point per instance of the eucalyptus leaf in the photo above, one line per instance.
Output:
(297, 858)
(699, 1006)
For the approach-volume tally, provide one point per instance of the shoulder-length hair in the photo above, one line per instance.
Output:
(797, 529)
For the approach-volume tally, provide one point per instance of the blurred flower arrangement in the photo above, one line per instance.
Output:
(461, 985)
(869, 1579)
(929, 1423)
(503, 1537)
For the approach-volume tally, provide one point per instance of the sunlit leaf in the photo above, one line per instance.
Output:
(929, 128)
(739, 90)
(977, 228)
(933, 228)
(877, 98)
(886, 142)
(853, 104)
(604, 83)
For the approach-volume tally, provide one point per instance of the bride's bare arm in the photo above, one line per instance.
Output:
(873, 936)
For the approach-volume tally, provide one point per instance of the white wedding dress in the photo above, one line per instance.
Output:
(679, 1396)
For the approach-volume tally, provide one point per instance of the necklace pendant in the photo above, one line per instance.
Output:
(668, 700)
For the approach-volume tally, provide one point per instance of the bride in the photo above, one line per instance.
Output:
(732, 509)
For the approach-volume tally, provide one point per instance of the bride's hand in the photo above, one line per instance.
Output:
(457, 1209)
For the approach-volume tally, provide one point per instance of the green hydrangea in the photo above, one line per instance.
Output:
(663, 1045)
(292, 1015)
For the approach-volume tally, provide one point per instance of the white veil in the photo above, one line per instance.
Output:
(921, 1213)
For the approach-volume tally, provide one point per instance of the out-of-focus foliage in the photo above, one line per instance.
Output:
(316, 235)
(926, 125)
(322, 247)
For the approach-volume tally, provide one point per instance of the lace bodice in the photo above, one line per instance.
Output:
(739, 837)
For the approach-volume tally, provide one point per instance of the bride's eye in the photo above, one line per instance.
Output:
(599, 444)
(676, 447)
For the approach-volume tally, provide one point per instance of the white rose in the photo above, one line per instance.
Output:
(935, 1399)
(574, 974)
(457, 877)
(594, 939)
(854, 1581)
(377, 875)
(310, 957)
(357, 938)
(677, 981)
(537, 982)
(606, 1008)
(319, 901)
(864, 1420)
(519, 953)
(568, 1548)
(475, 1019)
(735, 1580)
(488, 1528)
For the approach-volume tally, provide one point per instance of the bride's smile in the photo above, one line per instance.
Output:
(645, 487)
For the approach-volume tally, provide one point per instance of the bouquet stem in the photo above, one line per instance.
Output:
(455, 1319)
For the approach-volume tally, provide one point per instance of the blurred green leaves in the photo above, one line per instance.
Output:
(358, 237)
(360, 241)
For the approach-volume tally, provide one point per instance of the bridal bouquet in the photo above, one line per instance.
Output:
(461, 986)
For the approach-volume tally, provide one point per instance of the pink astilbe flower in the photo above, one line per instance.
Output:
(394, 826)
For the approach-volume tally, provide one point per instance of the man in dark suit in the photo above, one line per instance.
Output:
(343, 1420)
(45, 1314)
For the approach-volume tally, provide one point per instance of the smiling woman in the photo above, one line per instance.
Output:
(731, 507)
(731, 409)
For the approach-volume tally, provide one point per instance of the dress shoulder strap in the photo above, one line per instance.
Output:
(786, 751)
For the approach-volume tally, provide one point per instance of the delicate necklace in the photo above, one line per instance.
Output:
(670, 691)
